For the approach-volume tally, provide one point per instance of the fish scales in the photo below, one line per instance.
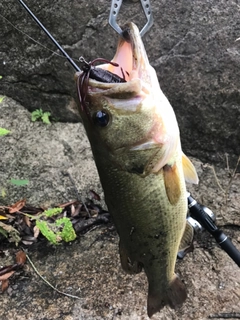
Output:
(148, 226)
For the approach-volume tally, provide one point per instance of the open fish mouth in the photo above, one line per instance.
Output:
(130, 66)
(130, 57)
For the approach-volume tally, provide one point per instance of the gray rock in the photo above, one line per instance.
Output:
(191, 45)
(43, 154)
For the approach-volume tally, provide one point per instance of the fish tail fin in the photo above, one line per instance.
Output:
(174, 296)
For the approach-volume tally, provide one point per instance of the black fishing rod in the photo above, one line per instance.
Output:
(204, 216)
(75, 66)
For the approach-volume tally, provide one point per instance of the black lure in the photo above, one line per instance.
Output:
(99, 74)
(89, 71)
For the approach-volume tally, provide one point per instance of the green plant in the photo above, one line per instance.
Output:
(3, 132)
(60, 229)
(39, 114)
(19, 182)
(1, 98)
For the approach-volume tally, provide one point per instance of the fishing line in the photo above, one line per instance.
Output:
(40, 44)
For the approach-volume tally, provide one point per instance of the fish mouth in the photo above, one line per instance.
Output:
(130, 64)
(130, 57)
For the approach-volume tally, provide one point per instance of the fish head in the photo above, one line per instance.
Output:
(129, 118)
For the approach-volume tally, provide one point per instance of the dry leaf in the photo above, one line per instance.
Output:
(94, 195)
(3, 218)
(6, 275)
(20, 257)
(17, 206)
(5, 284)
(72, 210)
(76, 210)
(36, 232)
(27, 221)
(12, 233)
(27, 243)
(66, 204)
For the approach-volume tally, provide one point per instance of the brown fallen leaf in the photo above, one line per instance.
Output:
(6, 275)
(17, 206)
(94, 195)
(27, 221)
(36, 232)
(5, 284)
(20, 258)
(63, 205)
(7, 271)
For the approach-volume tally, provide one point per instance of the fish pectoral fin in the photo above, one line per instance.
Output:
(186, 244)
(174, 296)
(189, 170)
(172, 182)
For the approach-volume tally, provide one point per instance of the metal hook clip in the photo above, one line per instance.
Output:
(115, 8)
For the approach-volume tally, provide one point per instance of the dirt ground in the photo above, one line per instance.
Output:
(89, 267)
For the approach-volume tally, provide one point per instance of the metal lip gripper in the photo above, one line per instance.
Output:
(114, 11)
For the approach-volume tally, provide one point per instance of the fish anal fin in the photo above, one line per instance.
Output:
(172, 182)
(174, 296)
(129, 266)
(189, 170)
(186, 244)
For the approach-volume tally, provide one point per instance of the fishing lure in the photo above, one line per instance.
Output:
(98, 74)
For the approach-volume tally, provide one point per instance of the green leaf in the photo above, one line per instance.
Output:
(45, 117)
(45, 229)
(17, 182)
(3, 193)
(52, 212)
(3, 132)
(37, 114)
(1, 97)
(68, 233)
(51, 230)
(0, 77)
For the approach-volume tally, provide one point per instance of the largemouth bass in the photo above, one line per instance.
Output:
(136, 145)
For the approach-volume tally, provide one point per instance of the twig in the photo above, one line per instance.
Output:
(232, 177)
(227, 162)
(48, 283)
(8, 269)
(216, 178)
(230, 315)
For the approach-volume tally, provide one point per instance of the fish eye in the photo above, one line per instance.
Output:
(101, 118)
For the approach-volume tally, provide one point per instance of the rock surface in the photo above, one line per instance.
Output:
(89, 267)
(191, 45)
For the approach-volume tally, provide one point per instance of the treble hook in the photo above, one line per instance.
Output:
(115, 8)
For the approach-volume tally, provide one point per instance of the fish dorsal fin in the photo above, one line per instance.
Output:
(189, 170)
(187, 238)
(172, 182)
